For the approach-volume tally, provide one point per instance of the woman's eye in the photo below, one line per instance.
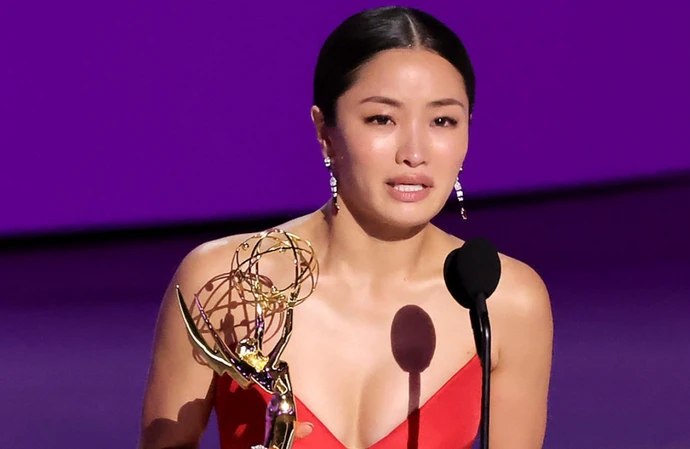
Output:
(445, 122)
(380, 119)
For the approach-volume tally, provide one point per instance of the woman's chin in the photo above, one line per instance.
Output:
(408, 219)
(413, 214)
(382, 216)
(410, 222)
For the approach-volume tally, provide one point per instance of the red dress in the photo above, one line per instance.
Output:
(449, 419)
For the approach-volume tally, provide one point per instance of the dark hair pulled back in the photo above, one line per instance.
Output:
(360, 37)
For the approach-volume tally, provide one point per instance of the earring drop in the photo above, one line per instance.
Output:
(334, 182)
(461, 197)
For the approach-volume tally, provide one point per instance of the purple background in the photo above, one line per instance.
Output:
(129, 113)
(135, 114)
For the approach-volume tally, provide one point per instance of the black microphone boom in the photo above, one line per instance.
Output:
(472, 273)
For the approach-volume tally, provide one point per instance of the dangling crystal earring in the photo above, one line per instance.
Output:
(461, 197)
(333, 181)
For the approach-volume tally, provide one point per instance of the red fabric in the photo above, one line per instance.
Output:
(449, 419)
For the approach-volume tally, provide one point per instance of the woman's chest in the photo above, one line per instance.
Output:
(362, 374)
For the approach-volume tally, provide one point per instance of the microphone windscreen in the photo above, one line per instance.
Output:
(472, 269)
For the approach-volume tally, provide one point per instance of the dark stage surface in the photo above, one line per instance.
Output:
(79, 314)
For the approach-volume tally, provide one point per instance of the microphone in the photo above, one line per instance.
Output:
(471, 273)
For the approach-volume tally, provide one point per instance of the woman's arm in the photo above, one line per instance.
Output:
(179, 394)
(520, 379)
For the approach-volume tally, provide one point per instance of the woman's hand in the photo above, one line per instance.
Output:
(303, 429)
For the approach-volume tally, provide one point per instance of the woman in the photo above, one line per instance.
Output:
(393, 98)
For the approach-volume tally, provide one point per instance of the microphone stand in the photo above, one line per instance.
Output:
(479, 316)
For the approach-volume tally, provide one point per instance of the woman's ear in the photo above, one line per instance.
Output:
(321, 130)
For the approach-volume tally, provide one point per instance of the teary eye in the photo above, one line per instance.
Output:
(445, 122)
(379, 119)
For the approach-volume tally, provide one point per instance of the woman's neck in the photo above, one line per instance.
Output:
(371, 253)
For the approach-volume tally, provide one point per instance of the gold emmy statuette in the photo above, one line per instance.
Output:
(247, 364)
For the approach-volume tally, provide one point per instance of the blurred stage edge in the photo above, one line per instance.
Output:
(79, 312)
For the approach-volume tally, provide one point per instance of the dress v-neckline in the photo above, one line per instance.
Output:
(396, 429)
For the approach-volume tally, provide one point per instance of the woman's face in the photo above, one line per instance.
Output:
(400, 137)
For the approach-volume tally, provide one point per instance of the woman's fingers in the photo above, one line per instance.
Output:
(303, 429)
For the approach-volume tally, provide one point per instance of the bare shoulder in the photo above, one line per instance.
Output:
(522, 289)
(521, 316)
(206, 273)
(519, 281)
(214, 258)
(211, 257)
(521, 305)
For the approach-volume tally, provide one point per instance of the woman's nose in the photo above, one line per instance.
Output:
(412, 150)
